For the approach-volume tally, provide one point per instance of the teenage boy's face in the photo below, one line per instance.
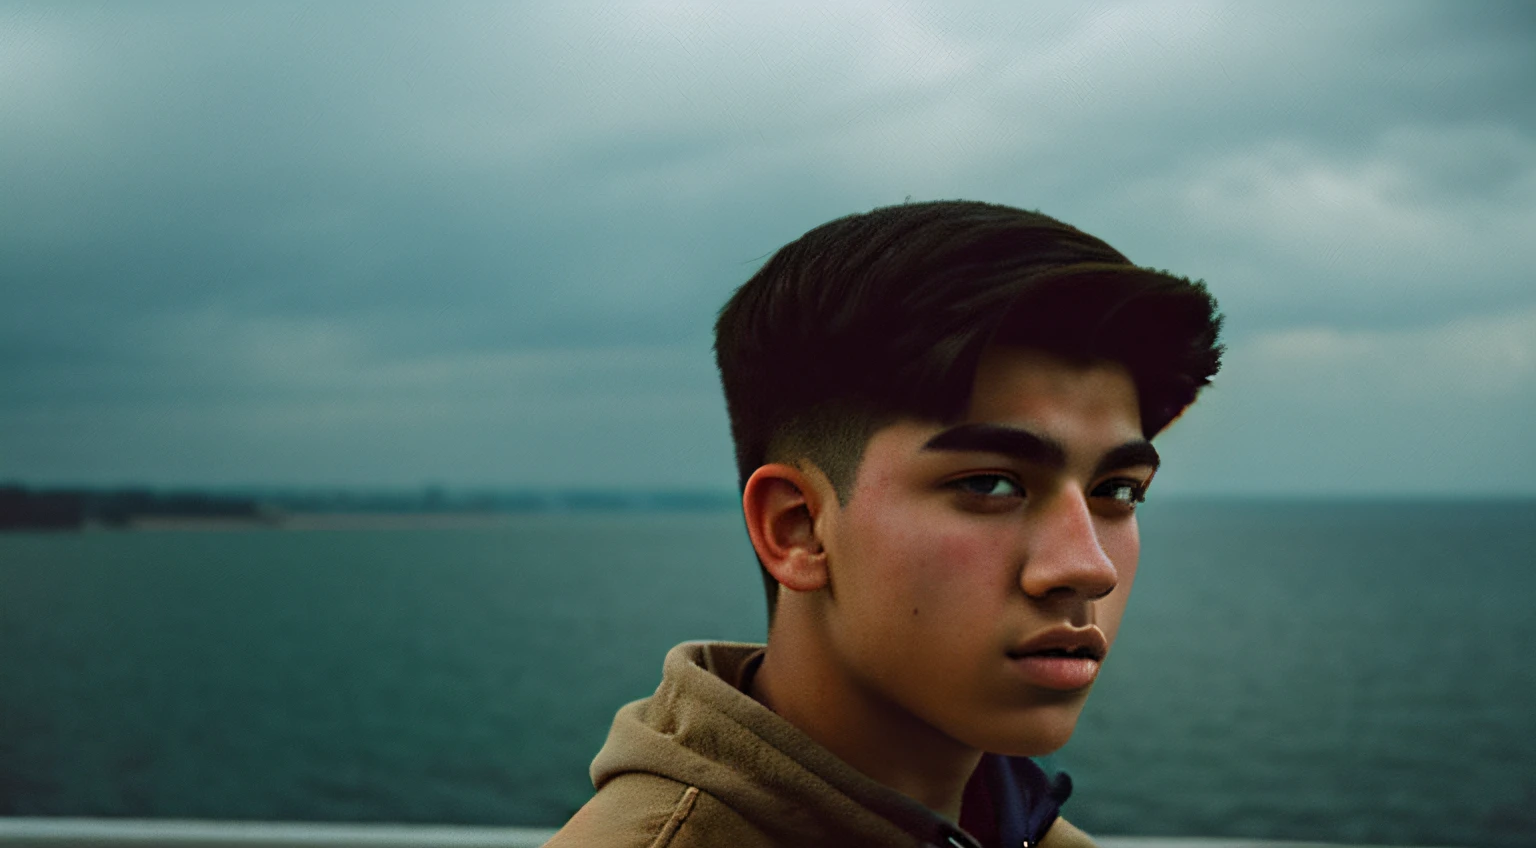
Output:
(979, 571)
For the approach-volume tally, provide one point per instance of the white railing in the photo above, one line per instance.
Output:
(27, 832)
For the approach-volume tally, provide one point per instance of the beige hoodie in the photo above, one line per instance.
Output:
(701, 763)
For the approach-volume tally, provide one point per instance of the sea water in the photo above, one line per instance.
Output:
(1346, 671)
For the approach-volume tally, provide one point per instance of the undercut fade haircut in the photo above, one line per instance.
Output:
(884, 315)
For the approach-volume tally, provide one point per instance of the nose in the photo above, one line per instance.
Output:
(1064, 557)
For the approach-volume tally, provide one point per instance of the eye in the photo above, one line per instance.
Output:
(1124, 492)
(988, 486)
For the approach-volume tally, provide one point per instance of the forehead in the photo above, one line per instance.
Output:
(1038, 389)
(1087, 410)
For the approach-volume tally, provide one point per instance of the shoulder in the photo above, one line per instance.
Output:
(1063, 834)
(630, 810)
(639, 810)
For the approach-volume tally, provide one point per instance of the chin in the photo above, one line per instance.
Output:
(1034, 732)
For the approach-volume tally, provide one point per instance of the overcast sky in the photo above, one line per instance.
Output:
(483, 244)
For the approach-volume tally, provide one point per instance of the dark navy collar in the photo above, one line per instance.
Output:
(1010, 802)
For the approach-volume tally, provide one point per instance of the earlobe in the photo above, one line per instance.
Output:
(781, 506)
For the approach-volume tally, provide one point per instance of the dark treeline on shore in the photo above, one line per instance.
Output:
(75, 508)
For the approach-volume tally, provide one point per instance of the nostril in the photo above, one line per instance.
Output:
(1049, 578)
(1056, 593)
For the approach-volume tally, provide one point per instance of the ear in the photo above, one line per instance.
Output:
(781, 504)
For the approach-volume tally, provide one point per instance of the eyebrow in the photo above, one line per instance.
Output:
(1036, 449)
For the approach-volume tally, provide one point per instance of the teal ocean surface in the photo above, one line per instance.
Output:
(1360, 672)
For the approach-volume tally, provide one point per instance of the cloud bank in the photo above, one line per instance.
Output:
(484, 244)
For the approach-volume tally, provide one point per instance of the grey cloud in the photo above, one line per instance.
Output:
(455, 187)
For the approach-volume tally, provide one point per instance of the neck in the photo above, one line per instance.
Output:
(801, 682)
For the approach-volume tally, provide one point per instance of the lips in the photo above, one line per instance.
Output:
(1063, 658)
(1083, 642)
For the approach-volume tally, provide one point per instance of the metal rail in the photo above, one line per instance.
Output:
(26, 832)
(29, 832)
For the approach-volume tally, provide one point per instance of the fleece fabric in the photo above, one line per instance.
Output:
(701, 763)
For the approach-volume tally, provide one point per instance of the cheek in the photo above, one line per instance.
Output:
(945, 567)
(1125, 553)
(959, 570)
(1124, 550)
(972, 558)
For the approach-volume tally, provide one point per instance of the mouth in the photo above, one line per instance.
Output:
(1063, 659)
(1070, 642)
(1082, 652)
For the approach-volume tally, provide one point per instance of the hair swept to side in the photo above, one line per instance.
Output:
(885, 314)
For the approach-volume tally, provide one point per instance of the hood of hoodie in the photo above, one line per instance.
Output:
(700, 729)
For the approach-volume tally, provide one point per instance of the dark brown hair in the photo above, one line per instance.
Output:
(884, 315)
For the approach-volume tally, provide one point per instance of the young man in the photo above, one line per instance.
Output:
(942, 416)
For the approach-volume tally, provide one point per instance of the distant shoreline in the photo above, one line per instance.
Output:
(338, 521)
(319, 521)
(28, 510)
(84, 509)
